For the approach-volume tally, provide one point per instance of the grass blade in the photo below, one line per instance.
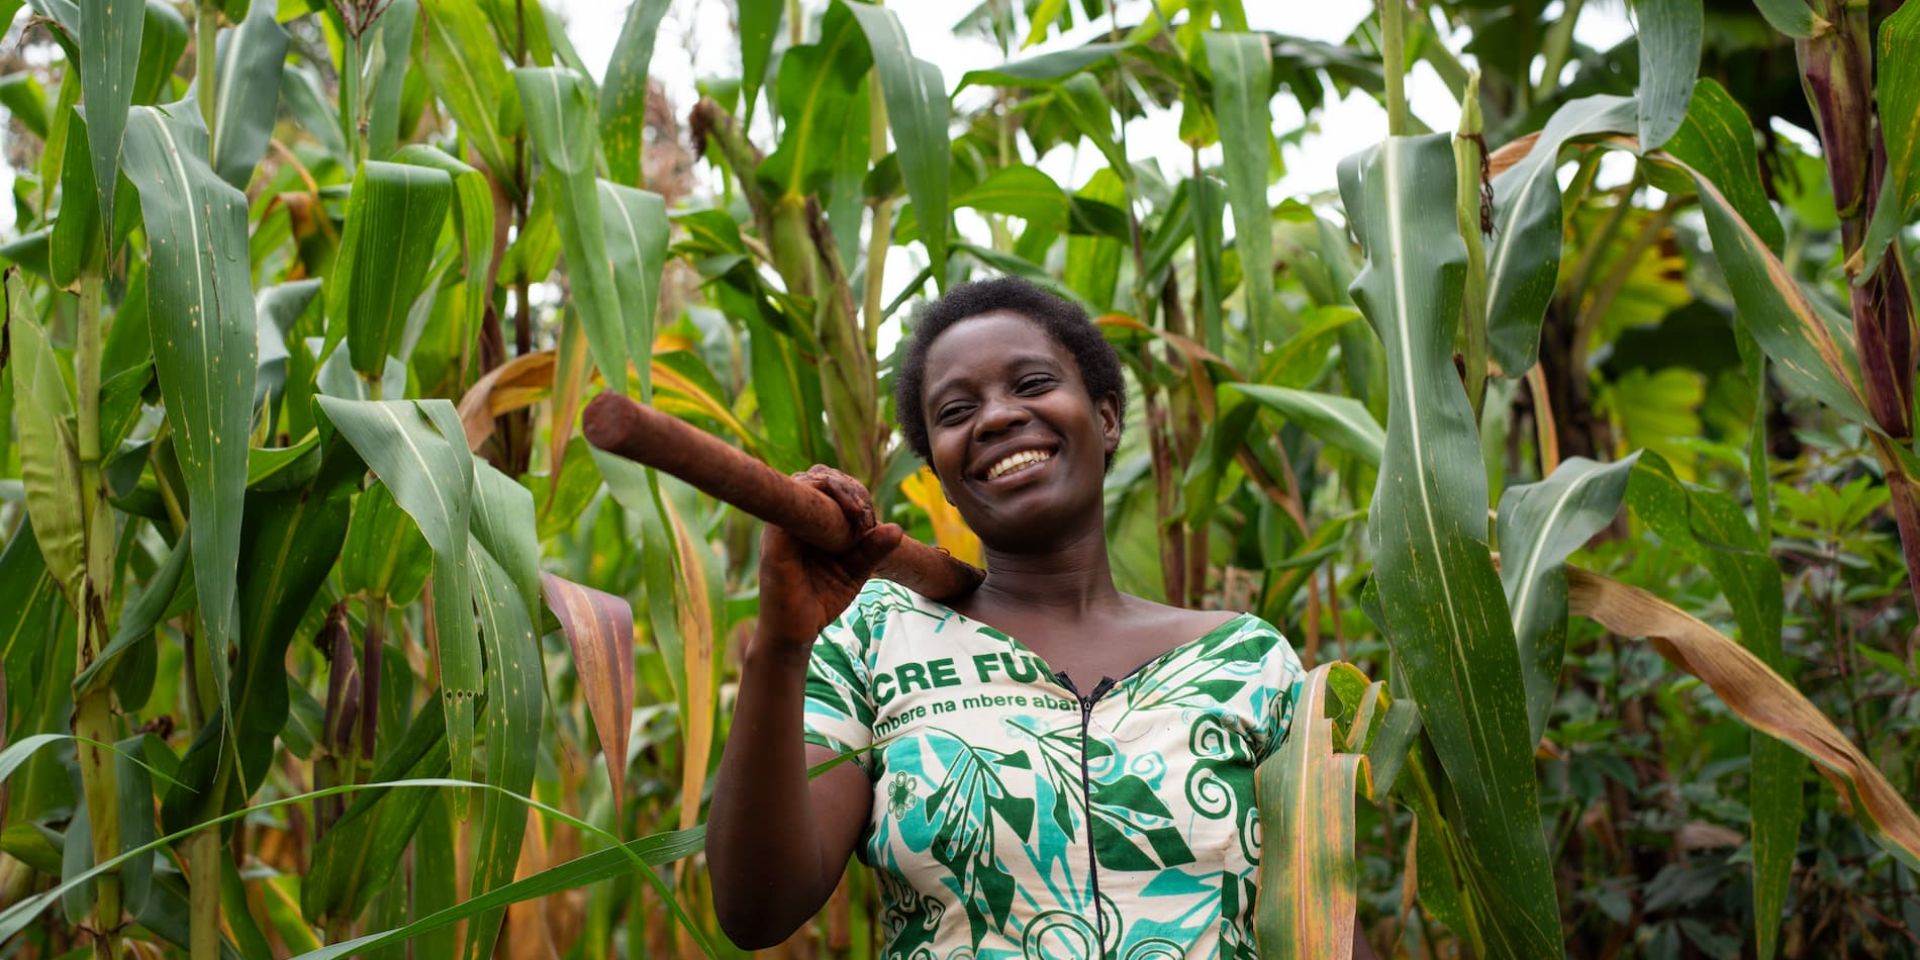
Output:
(247, 93)
(109, 62)
(394, 218)
(1242, 80)
(1670, 34)
(916, 99)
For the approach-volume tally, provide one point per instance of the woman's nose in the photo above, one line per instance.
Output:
(999, 414)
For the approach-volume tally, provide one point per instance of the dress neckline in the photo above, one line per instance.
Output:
(1054, 676)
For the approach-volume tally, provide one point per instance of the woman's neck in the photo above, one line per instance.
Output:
(1070, 580)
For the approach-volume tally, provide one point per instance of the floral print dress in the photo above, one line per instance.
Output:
(1016, 816)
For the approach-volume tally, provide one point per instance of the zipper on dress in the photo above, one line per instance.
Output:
(1086, 793)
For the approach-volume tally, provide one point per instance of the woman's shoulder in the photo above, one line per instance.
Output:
(1226, 632)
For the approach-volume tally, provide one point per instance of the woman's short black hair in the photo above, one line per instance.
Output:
(1062, 319)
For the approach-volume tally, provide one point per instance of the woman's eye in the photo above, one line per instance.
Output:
(1035, 384)
(953, 414)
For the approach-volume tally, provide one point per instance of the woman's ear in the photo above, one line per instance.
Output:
(1109, 410)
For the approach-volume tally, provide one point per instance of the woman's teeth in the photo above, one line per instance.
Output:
(1015, 462)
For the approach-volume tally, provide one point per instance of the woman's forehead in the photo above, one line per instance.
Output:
(990, 345)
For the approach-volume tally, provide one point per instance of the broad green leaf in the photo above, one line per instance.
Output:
(1042, 70)
(247, 84)
(623, 97)
(1242, 82)
(1771, 305)
(49, 460)
(1341, 422)
(1898, 91)
(109, 59)
(472, 217)
(1093, 261)
(818, 83)
(1540, 525)
(1309, 881)
(515, 692)
(419, 451)
(1709, 527)
(394, 218)
(162, 41)
(599, 629)
(77, 242)
(1524, 256)
(384, 554)
(22, 95)
(1670, 33)
(462, 64)
(1445, 614)
(1791, 17)
(561, 124)
(916, 99)
(636, 228)
(205, 336)
(392, 34)
(1019, 191)
(27, 598)
(1717, 140)
(1092, 114)
(314, 111)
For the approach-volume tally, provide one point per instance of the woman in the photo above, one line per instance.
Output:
(1056, 769)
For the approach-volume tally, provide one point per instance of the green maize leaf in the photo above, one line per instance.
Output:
(1898, 91)
(818, 83)
(357, 858)
(1043, 70)
(759, 22)
(287, 555)
(623, 97)
(1709, 527)
(1309, 882)
(1224, 438)
(29, 251)
(1341, 422)
(436, 878)
(636, 227)
(1444, 612)
(49, 462)
(22, 95)
(394, 218)
(845, 197)
(200, 312)
(1670, 34)
(515, 692)
(1811, 358)
(1524, 258)
(138, 618)
(1242, 81)
(917, 113)
(1092, 114)
(384, 555)
(1717, 140)
(503, 525)
(388, 43)
(462, 64)
(1792, 17)
(1019, 191)
(561, 125)
(109, 59)
(247, 84)
(27, 597)
(418, 449)
(162, 41)
(1093, 261)
(1208, 200)
(136, 823)
(1540, 525)
(314, 112)
(76, 243)
(472, 217)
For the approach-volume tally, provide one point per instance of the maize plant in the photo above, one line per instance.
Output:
(1567, 432)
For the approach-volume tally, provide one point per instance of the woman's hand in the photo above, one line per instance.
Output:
(804, 588)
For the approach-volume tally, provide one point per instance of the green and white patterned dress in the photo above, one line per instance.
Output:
(1016, 817)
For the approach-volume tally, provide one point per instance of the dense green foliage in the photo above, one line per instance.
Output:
(305, 297)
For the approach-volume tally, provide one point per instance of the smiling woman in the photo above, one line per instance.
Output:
(1045, 767)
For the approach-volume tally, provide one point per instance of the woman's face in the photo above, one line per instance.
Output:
(1019, 446)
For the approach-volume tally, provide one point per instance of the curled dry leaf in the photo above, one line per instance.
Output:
(515, 385)
(1761, 697)
(599, 628)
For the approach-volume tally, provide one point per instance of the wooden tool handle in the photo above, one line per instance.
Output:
(620, 426)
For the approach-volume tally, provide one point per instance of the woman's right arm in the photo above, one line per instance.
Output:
(777, 841)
